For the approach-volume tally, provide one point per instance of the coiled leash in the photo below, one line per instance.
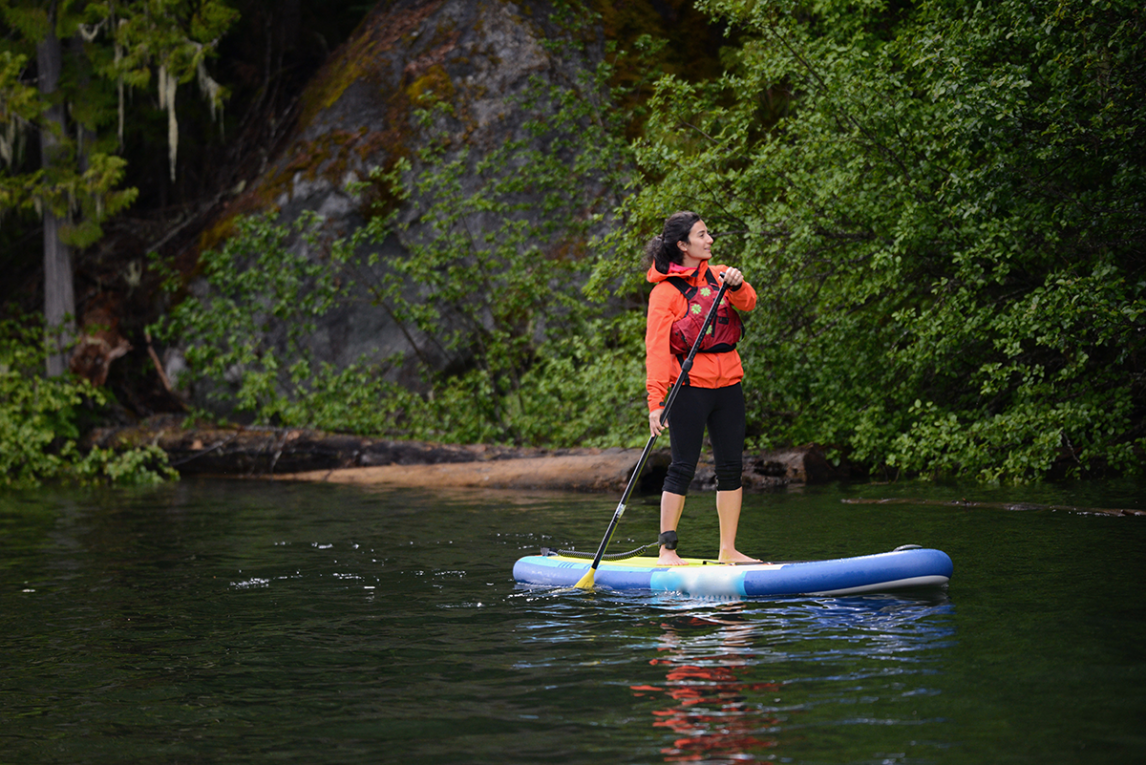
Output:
(667, 538)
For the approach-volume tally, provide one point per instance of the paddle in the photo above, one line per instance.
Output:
(586, 582)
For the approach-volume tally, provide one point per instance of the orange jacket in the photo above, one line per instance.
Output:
(667, 305)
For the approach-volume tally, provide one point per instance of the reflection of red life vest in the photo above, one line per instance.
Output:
(724, 332)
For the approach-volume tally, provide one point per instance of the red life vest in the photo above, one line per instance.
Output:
(723, 334)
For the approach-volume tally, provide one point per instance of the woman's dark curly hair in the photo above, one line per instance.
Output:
(662, 250)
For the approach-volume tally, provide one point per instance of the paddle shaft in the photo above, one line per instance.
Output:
(685, 366)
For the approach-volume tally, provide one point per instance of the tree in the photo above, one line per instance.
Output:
(111, 46)
(944, 207)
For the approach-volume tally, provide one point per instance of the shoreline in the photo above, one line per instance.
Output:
(299, 454)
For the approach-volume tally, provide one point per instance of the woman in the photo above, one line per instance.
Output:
(711, 395)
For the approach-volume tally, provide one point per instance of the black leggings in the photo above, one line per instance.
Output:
(722, 410)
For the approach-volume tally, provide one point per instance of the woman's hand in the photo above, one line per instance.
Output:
(733, 278)
(655, 427)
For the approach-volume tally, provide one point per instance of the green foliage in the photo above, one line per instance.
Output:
(39, 427)
(164, 38)
(577, 385)
(247, 334)
(122, 45)
(584, 390)
(498, 270)
(941, 207)
(84, 198)
(19, 103)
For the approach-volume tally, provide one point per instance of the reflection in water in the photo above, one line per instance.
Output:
(732, 688)
(711, 712)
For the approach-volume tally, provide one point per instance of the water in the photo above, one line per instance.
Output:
(238, 622)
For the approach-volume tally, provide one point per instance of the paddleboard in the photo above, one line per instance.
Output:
(906, 566)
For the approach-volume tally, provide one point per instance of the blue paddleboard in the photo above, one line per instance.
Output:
(907, 566)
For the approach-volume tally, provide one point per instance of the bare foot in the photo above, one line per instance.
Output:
(734, 556)
(670, 558)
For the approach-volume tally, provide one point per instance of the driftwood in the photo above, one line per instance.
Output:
(303, 454)
(994, 505)
(238, 450)
(565, 469)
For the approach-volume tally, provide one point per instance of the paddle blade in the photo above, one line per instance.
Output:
(586, 582)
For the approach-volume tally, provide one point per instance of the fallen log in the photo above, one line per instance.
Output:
(266, 451)
(312, 455)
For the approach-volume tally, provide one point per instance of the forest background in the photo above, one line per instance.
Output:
(940, 204)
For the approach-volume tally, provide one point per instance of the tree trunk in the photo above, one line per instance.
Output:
(85, 137)
(59, 291)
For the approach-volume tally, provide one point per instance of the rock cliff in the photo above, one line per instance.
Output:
(468, 64)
